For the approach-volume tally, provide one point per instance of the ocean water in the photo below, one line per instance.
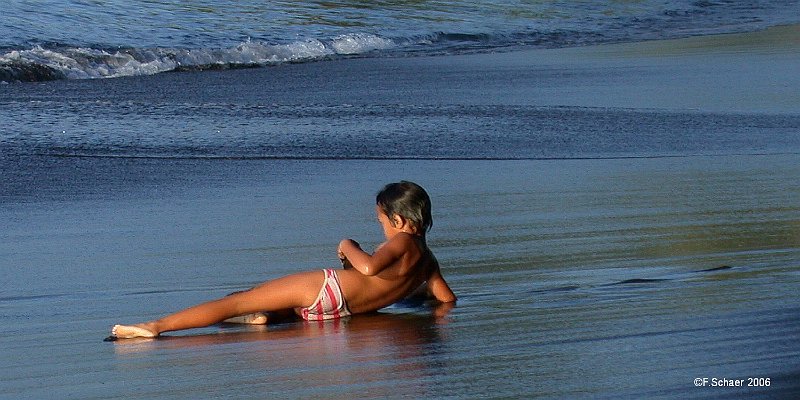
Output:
(617, 221)
(80, 39)
(457, 107)
(438, 104)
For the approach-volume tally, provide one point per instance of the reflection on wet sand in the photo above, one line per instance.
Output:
(363, 350)
(400, 326)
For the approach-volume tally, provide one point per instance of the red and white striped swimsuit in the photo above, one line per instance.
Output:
(329, 304)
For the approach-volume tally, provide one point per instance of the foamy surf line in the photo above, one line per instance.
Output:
(55, 61)
(41, 63)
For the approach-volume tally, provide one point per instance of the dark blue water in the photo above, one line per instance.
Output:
(77, 39)
(470, 107)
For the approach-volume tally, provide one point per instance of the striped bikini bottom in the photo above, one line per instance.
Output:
(330, 302)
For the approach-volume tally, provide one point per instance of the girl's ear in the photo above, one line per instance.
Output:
(398, 221)
(401, 223)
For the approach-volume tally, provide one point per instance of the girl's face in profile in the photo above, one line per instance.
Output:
(390, 228)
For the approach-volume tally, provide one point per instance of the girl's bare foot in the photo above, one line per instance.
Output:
(250, 319)
(133, 331)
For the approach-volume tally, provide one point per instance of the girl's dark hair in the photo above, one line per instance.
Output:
(408, 200)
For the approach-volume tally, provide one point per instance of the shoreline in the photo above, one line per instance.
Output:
(784, 36)
(752, 72)
(557, 103)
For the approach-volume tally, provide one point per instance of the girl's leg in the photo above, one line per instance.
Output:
(297, 290)
(258, 318)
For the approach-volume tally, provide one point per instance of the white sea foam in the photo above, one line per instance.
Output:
(90, 63)
(360, 43)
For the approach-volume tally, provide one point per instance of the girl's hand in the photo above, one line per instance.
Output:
(339, 251)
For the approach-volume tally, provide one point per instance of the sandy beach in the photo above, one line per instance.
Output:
(654, 271)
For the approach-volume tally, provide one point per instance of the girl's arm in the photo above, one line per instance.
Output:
(438, 287)
(372, 264)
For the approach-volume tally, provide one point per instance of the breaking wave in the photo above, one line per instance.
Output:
(39, 42)
(48, 62)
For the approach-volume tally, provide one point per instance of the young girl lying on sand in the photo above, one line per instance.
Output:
(367, 283)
